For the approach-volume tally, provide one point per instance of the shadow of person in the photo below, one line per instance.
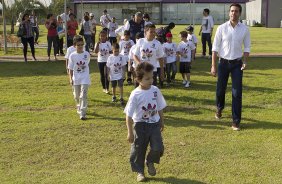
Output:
(173, 180)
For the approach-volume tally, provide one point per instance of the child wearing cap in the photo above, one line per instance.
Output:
(192, 37)
(125, 46)
(185, 50)
(170, 58)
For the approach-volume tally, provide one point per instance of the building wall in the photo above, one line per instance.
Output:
(274, 13)
(254, 12)
(179, 13)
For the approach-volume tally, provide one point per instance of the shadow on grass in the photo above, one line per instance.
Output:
(40, 68)
(257, 124)
(181, 122)
(173, 180)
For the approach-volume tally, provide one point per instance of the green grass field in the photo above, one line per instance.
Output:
(264, 40)
(43, 140)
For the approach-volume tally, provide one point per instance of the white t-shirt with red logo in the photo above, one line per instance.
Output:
(143, 105)
(185, 48)
(116, 64)
(104, 51)
(125, 47)
(149, 51)
(170, 52)
(79, 63)
(112, 28)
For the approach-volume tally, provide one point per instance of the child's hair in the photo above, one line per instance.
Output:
(103, 32)
(146, 16)
(126, 32)
(115, 46)
(183, 34)
(138, 35)
(143, 68)
(48, 15)
(77, 38)
(150, 26)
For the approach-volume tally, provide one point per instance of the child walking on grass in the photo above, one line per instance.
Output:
(78, 66)
(116, 66)
(145, 122)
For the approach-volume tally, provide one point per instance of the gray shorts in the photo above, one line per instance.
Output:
(117, 82)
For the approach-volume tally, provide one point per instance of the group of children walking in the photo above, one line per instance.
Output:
(145, 62)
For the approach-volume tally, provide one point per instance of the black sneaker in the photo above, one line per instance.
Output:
(218, 114)
(121, 101)
(151, 169)
(114, 99)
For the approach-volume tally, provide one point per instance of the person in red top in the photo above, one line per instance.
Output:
(72, 26)
(51, 25)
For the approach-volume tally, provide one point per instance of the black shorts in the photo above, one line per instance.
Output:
(117, 82)
(184, 67)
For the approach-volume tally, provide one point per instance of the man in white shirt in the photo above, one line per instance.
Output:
(228, 42)
(206, 30)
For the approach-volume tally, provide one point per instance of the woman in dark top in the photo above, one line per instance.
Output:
(51, 25)
(27, 36)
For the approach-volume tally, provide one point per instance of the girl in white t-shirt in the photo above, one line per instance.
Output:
(78, 66)
(144, 119)
(103, 48)
(116, 66)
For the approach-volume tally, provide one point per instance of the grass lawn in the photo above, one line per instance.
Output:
(264, 40)
(43, 140)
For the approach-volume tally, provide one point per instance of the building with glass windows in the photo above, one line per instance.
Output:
(160, 11)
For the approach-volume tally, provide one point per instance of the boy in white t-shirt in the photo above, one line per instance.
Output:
(103, 48)
(116, 66)
(79, 76)
(125, 46)
(145, 122)
(112, 26)
(170, 58)
(150, 50)
(70, 50)
(185, 50)
(192, 37)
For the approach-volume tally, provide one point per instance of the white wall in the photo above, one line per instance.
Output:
(253, 11)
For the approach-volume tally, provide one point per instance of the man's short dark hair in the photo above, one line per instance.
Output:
(142, 69)
(207, 11)
(237, 5)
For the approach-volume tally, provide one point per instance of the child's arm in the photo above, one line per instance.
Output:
(96, 50)
(161, 61)
(129, 123)
(161, 119)
(67, 63)
(70, 75)
(108, 73)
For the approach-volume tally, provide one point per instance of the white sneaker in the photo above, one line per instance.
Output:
(184, 82)
(187, 85)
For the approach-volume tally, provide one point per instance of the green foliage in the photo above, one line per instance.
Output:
(43, 140)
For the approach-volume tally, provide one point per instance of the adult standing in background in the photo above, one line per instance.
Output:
(93, 23)
(206, 30)
(72, 26)
(136, 26)
(65, 16)
(228, 42)
(87, 26)
(105, 19)
(27, 36)
(52, 35)
(35, 28)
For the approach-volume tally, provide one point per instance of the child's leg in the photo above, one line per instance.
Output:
(76, 93)
(156, 144)
(183, 76)
(168, 70)
(139, 147)
(83, 99)
(102, 74)
(114, 91)
(174, 70)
